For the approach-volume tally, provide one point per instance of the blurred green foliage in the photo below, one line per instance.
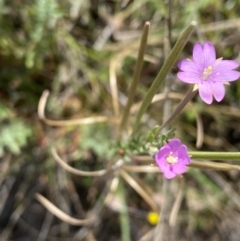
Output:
(97, 138)
(14, 133)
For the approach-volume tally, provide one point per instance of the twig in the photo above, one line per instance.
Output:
(70, 169)
(139, 190)
(74, 170)
(61, 215)
(82, 121)
(176, 205)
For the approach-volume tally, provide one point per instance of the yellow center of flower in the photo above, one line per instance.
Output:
(207, 72)
(171, 159)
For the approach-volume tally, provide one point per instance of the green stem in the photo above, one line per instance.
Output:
(172, 58)
(226, 156)
(136, 76)
(191, 93)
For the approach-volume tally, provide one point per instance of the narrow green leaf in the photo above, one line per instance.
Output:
(159, 80)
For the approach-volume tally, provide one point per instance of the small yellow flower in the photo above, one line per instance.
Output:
(153, 218)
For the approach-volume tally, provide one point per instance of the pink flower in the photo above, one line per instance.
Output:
(208, 73)
(172, 158)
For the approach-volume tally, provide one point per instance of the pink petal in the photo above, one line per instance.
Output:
(169, 174)
(179, 168)
(188, 65)
(218, 90)
(198, 56)
(160, 158)
(162, 153)
(205, 92)
(174, 144)
(225, 65)
(164, 166)
(183, 155)
(189, 77)
(209, 54)
(225, 75)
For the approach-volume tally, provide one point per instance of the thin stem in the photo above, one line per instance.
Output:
(214, 165)
(226, 156)
(136, 76)
(191, 93)
(159, 80)
(169, 23)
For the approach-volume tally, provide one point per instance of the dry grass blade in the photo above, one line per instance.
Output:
(5, 234)
(139, 190)
(143, 168)
(200, 133)
(95, 211)
(61, 215)
(112, 189)
(83, 121)
(220, 25)
(74, 170)
(113, 86)
(176, 208)
(148, 236)
(143, 159)
(159, 97)
(214, 165)
(45, 227)
(225, 186)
